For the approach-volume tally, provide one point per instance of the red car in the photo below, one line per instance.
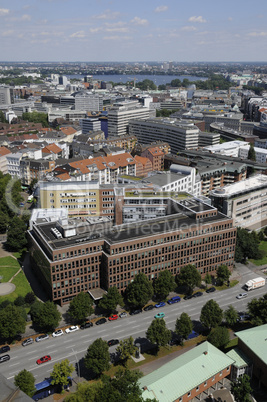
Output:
(43, 359)
(113, 317)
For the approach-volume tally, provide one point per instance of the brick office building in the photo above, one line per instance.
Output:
(71, 256)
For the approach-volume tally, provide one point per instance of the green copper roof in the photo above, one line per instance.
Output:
(241, 360)
(184, 373)
(256, 340)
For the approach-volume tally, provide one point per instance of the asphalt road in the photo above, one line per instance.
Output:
(73, 346)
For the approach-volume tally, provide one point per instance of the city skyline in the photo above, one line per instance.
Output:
(59, 30)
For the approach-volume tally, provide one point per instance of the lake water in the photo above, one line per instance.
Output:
(122, 78)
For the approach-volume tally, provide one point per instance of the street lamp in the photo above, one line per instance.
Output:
(78, 365)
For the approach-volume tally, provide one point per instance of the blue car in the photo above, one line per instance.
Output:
(161, 304)
(173, 300)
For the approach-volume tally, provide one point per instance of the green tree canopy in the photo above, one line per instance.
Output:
(61, 372)
(247, 245)
(164, 284)
(158, 333)
(183, 326)
(146, 84)
(45, 315)
(140, 291)
(251, 153)
(12, 322)
(223, 273)
(241, 389)
(189, 277)
(230, 316)
(16, 234)
(219, 337)
(208, 279)
(81, 307)
(25, 381)
(257, 309)
(211, 314)
(126, 349)
(36, 117)
(111, 299)
(97, 357)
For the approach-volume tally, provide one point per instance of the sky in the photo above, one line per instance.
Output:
(133, 30)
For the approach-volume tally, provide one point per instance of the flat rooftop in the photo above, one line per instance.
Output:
(244, 186)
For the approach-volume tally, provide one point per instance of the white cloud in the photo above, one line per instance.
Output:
(161, 9)
(79, 34)
(197, 19)
(263, 33)
(230, 19)
(95, 30)
(108, 15)
(139, 21)
(8, 33)
(116, 37)
(188, 28)
(3, 11)
(26, 17)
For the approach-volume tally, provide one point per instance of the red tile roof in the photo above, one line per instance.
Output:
(4, 151)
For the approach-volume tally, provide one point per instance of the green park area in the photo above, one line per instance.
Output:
(263, 254)
(9, 266)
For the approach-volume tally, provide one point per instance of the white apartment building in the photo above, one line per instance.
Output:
(89, 102)
(120, 114)
(90, 125)
(13, 164)
(244, 201)
(180, 134)
(237, 149)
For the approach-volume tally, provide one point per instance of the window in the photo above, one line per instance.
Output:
(189, 394)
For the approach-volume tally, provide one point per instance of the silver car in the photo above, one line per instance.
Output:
(42, 338)
(27, 342)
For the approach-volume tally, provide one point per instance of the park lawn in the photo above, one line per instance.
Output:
(9, 262)
(7, 273)
(263, 250)
(22, 288)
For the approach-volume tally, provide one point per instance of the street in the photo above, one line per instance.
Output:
(73, 346)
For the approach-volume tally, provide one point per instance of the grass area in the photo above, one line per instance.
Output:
(9, 262)
(231, 344)
(22, 287)
(263, 250)
(7, 273)
(232, 284)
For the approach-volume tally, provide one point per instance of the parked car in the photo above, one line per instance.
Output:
(137, 311)
(27, 342)
(241, 295)
(4, 358)
(173, 300)
(4, 349)
(59, 332)
(193, 334)
(73, 328)
(41, 338)
(243, 316)
(211, 290)
(187, 297)
(161, 304)
(198, 294)
(113, 342)
(43, 359)
(113, 317)
(88, 324)
(123, 314)
(160, 315)
(149, 307)
(101, 321)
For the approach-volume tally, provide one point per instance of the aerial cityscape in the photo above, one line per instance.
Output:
(133, 201)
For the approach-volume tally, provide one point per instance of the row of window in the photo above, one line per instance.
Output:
(74, 253)
(57, 294)
(74, 281)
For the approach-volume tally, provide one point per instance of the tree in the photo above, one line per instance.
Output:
(247, 245)
(189, 277)
(97, 357)
(30, 298)
(111, 299)
(126, 349)
(45, 315)
(183, 326)
(158, 333)
(4, 221)
(251, 153)
(125, 382)
(81, 307)
(164, 284)
(241, 389)
(257, 309)
(140, 291)
(12, 322)
(211, 314)
(208, 279)
(61, 372)
(219, 337)
(25, 381)
(230, 316)
(223, 273)
(16, 238)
